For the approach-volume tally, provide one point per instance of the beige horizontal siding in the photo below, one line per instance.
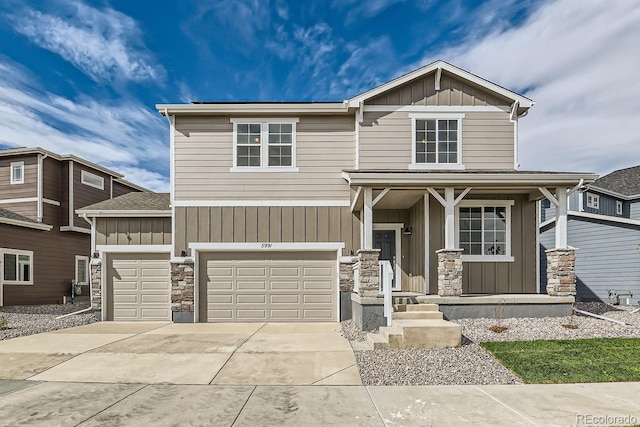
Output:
(487, 141)
(28, 209)
(204, 155)
(133, 231)
(452, 92)
(266, 224)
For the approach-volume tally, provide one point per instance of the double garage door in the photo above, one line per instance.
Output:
(138, 287)
(268, 286)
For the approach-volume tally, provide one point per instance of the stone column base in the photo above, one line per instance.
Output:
(449, 272)
(96, 288)
(368, 272)
(182, 302)
(561, 271)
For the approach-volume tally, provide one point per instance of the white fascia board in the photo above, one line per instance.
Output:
(438, 108)
(268, 246)
(123, 214)
(469, 179)
(210, 203)
(26, 224)
(231, 108)
(19, 200)
(608, 218)
(612, 193)
(452, 69)
(133, 249)
(76, 229)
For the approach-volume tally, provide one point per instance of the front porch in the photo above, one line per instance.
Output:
(466, 241)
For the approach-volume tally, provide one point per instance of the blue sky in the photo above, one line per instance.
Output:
(83, 77)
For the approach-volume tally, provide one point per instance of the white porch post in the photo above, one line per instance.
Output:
(450, 219)
(367, 211)
(561, 218)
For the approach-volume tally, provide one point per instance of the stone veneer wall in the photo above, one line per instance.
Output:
(449, 272)
(368, 283)
(182, 302)
(96, 287)
(561, 271)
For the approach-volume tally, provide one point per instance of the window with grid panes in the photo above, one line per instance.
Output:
(436, 141)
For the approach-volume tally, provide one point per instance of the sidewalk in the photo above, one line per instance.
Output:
(89, 404)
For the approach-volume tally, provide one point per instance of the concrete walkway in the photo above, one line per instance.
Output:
(154, 353)
(258, 374)
(96, 404)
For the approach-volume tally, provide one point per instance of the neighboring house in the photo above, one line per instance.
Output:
(44, 245)
(604, 226)
(273, 205)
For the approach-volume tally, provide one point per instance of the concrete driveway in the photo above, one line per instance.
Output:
(167, 353)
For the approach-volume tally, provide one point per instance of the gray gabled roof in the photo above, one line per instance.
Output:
(134, 203)
(625, 182)
(12, 215)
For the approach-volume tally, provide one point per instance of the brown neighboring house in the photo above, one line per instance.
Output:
(44, 245)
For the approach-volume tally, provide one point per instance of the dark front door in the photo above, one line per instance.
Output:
(385, 240)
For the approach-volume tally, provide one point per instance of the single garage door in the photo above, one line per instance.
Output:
(139, 287)
(268, 286)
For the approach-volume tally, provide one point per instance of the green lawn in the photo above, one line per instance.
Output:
(570, 361)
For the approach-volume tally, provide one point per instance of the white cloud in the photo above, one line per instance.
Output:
(123, 134)
(358, 10)
(578, 61)
(104, 44)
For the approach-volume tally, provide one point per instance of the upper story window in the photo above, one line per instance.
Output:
(593, 201)
(17, 172)
(619, 207)
(92, 180)
(437, 141)
(484, 230)
(264, 144)
(17, 267)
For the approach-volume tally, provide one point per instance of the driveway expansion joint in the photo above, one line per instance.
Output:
(234, 352)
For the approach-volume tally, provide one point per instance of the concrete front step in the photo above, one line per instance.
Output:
(415, 307)
(417, 333)
(417, 315)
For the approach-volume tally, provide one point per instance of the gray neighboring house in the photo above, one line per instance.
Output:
(604, 225)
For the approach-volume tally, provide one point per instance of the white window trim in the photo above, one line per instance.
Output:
(436, 166)
(84, 174)
(87, 272)
(595, 201)
(264, 144)
(487, 203)
(16, 165)
(16, 252)
(619, 207)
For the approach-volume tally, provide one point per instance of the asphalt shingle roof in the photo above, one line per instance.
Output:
(623, 181)
(12, 215)
(133, 202)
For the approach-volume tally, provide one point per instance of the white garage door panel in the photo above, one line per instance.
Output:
(139, 286)
(269, 286)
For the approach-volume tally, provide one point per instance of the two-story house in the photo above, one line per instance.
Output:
(44, 245)
(604, 225)
(278, 210)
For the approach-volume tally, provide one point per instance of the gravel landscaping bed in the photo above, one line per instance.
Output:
(33, 319)
(471, 364)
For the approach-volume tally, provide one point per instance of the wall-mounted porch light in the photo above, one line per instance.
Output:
(183, 253)
(407, 231)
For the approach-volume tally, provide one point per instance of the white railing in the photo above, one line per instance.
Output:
(385, 279)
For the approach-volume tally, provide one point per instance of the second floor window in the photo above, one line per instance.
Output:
(593, 201)
(619, 207)
(436, 141)
(265, 145)
(17, 172)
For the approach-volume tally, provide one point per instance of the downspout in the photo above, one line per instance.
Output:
(93, 243)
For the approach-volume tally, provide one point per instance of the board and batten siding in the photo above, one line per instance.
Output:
(133, 231)
(242, 224)
(487, 141)
(204, 155)
(607, 256)
(634, 209)
(452, 92)
(517, 277)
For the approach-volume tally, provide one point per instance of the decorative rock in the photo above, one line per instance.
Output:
(368, 272)
(346, 273)
(96, 285)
